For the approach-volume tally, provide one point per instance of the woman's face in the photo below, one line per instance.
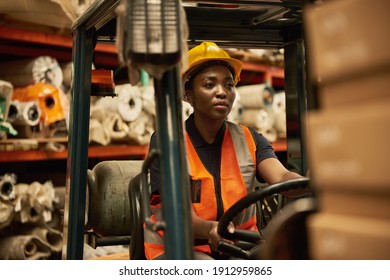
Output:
(213, 92)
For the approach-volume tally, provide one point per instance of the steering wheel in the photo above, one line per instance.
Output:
(250, 243)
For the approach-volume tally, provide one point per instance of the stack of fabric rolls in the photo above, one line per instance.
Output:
(261, 108)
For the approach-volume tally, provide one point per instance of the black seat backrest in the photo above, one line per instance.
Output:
(136, 249)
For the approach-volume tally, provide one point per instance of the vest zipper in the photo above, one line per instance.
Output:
(218, 198)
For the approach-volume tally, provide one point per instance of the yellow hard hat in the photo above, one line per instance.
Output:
(208, 53)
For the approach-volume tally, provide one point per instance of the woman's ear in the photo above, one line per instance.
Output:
(188, 96)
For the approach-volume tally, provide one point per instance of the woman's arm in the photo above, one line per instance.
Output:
(273, 171)
(207, 230)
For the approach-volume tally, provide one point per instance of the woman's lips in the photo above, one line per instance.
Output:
(221, 105)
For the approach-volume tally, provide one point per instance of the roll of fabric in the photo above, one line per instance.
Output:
(21, 73)
(148, 100)
(141, 129)
(50, 237)
(34, 202)
(270, 134)
(23, 247)
(6, 90)
(280, 123)
(32, 132)
(97, 132)
(13, 111)
(279, 111)
(53, 13)
(256, 96)
(186, 109)
(27, 113)
(279, 103)
(7, 212)
(130, 102)
(237, 108)
(116, 128)
(48, 98)
(67, 73)
(7, 187)
(259, 119)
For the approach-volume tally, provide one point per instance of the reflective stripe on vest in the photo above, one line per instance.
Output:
(238, 171)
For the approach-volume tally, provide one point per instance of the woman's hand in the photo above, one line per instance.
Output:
(215, 238)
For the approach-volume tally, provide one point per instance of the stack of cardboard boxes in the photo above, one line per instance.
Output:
(348, 47)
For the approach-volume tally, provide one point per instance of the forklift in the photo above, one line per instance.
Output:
(270, 24)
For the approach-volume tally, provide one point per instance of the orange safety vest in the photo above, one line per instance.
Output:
(238, 170)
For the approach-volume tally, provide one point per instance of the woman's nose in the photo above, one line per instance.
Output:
(221, 91)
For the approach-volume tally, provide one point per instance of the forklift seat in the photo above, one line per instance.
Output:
(108, 220)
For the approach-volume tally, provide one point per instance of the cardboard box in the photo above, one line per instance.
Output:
(348, 148)
(347, 38)
(349, 92)
(358, 203)
(343, 237)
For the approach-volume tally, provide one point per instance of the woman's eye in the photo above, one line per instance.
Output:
(209, 85)
(230, 85)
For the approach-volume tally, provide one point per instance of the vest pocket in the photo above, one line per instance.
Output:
(195, 190)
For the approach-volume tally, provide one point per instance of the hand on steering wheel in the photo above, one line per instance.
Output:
(215, 238)
(247, 236)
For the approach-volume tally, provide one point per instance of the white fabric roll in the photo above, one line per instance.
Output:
(6, 214)
(116, 127)
(186, 109)
(280, 122)
(23, 247)
(29, 113)
(26, 72)
(259, 119)
(57, 13)
(97, 133)
(7, 187)
(13, 111)
(141, 129)
(67, 73)
(130, 102)
(6, 89)
(270, 134)
(45, 12)
(237, 108)
(148, 100)
(34, 202)
(256, 96)
(279, 103)
(32, 132)
(50, 237)
(279, 112)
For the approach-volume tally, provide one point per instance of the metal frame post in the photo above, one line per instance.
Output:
(77, 163)
(173, 167)
(296, 106)
(84, 29)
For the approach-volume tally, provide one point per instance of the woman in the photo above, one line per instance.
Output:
(224, 158)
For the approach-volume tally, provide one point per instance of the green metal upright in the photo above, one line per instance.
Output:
(296, 105)
(173, 168)
(77, 164)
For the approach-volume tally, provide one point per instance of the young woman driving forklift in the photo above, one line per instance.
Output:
(224, 158)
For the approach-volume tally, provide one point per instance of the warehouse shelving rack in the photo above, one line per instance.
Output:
(261, 24)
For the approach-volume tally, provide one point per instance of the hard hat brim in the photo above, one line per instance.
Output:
(235, 64)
